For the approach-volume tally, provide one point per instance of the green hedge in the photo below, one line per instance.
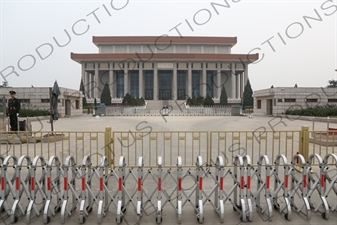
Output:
(33, 112)
(318, 111)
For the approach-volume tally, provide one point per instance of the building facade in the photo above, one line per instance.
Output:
(164, 68)
(276, 101)
(70, 100)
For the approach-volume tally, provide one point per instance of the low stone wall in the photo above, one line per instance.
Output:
(308, 118)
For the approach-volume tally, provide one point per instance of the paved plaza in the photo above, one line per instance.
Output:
(175, 123)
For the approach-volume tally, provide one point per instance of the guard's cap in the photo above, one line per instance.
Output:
(12, 92)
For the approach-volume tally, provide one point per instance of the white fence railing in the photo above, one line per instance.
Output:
(169, 111)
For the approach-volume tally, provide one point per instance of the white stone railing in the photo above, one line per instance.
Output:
(116, 100)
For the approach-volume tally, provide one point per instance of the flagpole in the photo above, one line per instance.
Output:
(51, 110)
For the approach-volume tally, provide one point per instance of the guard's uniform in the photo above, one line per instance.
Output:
(13, 110)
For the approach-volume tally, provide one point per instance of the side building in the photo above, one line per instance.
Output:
(164, 68)
(69, 102)
(276, 101)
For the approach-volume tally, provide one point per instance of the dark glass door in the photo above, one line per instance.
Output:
(165, 84)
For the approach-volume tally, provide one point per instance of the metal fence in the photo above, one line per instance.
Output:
(169, 111)
(60, 143)
(168, 144)
(254, 143)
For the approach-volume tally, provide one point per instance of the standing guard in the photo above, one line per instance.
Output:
(13, 111)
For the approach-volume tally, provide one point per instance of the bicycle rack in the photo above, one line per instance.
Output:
(263, 185)
(7, 185)
(317, 183)
(69, 184)
(53, 186)
(283, 207)
(301, 185)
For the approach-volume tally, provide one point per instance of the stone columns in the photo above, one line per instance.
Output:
(218, 85)
(85, 80)
(174, 82)
(126, 79)
(203, 80)
(233, 80)
(96, 83)
(155, 82)
(92, 85)
(141, 78)
(111, 80)
(242, 84)
(245, 74)
(189, 81)
(238, 88)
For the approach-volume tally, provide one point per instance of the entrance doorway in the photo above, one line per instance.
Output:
(269, 106)
(165, 84)
(149, 94)
(67, 107)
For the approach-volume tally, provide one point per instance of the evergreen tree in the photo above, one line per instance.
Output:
(84, 99)
(223, 96)
(142, 101)
(208, 101)
(127, 100)
(248, 99)
(199, 100)
(130, 100)
(105, 96)
(189, 101)
(332, 84)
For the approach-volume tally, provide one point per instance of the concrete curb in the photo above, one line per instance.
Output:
(307, 118)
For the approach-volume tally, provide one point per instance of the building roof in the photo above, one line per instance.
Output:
(164, 56)
(163, 39)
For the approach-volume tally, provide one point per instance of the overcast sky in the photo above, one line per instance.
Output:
(302, 51)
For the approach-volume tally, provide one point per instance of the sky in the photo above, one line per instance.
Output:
(293, 49)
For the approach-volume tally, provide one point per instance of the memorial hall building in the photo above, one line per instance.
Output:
(164, 67)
